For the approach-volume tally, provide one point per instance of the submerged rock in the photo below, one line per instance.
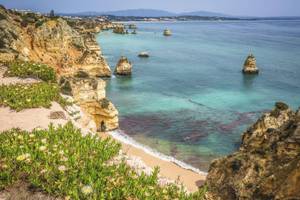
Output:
(167, 32)
(267, 165)
(124, 67)
(144, 54)
(250, 65)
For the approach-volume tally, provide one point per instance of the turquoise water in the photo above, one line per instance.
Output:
(189, 99)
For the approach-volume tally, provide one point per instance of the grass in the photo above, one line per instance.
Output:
(63, 163)
(31, 70)
(23, 96)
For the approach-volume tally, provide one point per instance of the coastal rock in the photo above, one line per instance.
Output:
(51, 41)
(124, 67)
(132, 26)
(104, 114)
(267, 165)
(119, 30)
(250, 65)
(144, 54)
(89, 94)
(167, 32)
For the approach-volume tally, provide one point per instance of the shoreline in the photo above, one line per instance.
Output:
(170, 168)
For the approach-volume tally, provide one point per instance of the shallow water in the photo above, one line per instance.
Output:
(189, 99)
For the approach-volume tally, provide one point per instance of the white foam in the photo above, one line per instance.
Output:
(122, 137)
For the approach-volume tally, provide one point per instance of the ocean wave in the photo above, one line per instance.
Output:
(122, 137)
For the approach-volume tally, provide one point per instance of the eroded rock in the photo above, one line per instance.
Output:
(124, 67)
(250, 65)
(267, 165)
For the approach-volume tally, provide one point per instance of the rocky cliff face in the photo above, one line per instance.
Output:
(29, 36)
(267, 165)
(89, 94)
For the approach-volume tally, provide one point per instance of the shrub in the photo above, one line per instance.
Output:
(19, 97)
(61, 162)
(31, 70)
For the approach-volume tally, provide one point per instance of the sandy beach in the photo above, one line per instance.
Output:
(190, 179)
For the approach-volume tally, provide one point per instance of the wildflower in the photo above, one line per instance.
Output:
(20, 137)
(64, 159)
(62, 168)
(28, 100)
(31, 135)
(67, 198)
(61, 152)
(43, 171)
(42, 148)
(44, 140)
(23, 157)
(87, 189)
(4, 166)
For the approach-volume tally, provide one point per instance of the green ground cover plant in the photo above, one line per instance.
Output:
(31, 70)
(23, 96)
(63, 163)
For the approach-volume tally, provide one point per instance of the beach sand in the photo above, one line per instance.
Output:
(190, 179)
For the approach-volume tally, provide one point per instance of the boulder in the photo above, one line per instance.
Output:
(167, 32)
(124, 67)
(144, 54)
(119, 30)
(250, 65)
(267, 165)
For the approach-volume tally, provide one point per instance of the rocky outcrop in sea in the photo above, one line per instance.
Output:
(250, 65)
(267, 165)
(124, 67)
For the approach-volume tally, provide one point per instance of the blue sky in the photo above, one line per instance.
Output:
(233, 7)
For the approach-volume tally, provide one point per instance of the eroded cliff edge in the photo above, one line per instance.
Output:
(49, 40)
(267, 165)
(68, 46)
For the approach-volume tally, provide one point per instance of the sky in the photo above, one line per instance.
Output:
(231, 7)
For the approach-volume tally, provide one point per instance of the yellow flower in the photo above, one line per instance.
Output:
(87, 189)
(20, 137)
(23, 157)
(31, 135)
(28, 100)
(42, 148)
(44, 141)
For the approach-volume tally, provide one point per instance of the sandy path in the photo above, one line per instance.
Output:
(30, 118)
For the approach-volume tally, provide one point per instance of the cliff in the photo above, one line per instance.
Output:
(267, 165)
(49, 40)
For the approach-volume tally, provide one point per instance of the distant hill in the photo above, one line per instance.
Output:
(204, 14)
(149, 13)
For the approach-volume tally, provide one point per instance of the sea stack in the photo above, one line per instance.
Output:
(167, 32)
(124, 67)
(250, 65)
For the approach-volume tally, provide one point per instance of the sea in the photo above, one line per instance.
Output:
(189, 100)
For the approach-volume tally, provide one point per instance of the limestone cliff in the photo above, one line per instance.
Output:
(267, 165)
(89, 94)
(30, 36)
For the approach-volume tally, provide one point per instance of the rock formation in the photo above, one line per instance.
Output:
(250, 65)
(267, 165)
(124, 67)
(120, 30)
(29, 36)
(144, 54)
(167, 32)
(89, 94)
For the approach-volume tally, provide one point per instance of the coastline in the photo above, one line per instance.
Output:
(170, 168)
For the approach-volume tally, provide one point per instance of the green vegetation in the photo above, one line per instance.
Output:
(19, 97)
(62, 162)
(31, 70)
